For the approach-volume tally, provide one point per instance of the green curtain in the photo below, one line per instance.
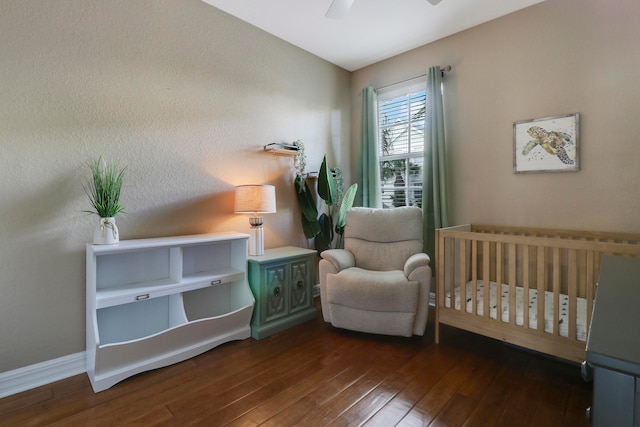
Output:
(368, 165)
(435, 193)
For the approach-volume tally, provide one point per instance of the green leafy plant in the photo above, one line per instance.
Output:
(347, 203)
(103, 189)
(322, 227)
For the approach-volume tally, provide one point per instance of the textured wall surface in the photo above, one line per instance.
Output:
(557, 57)
(182, 94)
(186, 96)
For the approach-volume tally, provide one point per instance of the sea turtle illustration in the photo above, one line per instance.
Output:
(553, 143)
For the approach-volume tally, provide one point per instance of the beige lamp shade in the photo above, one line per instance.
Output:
(255, 199)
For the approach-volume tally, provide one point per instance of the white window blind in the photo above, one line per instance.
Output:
(401, 113)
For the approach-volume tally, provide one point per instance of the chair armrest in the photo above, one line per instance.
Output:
(417, 268)
(415, 261)
(339, 258)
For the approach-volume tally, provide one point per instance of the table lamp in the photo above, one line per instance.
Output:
(255, 199)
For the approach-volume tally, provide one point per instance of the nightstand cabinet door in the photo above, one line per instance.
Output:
(282, 283)
(274, 299)
(300, 291)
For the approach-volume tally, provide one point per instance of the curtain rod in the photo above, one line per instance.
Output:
(443, 69)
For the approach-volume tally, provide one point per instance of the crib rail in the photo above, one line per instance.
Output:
(559, 262)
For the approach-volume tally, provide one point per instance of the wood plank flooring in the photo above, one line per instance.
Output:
(315, 375)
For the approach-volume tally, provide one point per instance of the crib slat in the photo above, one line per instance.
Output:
(541, 279)
(486, 279)
(572, 292)
(512, 262)
(464, 276)
(441, 278)
(474, 276)
(450, 285)
(525, 286)
(499, 279)
(556, 291)
(591, 286)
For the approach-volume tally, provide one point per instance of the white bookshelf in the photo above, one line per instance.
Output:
(155, 302)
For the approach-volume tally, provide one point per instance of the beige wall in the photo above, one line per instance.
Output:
(184, 95)
(557, 57)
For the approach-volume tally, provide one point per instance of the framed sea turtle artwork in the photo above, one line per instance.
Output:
(548, 144)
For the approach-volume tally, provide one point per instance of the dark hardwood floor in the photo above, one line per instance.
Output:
(315, 375)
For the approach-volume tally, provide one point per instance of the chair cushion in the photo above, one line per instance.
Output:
(382, 256)
(383, 239)
(373, 322)
(384, 225)
(383, 291)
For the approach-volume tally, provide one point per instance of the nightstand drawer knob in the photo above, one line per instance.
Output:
(142, 297)
(215, 282)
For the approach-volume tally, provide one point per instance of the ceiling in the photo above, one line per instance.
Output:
(372, 30)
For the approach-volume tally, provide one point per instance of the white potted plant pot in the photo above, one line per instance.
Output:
(106, 233)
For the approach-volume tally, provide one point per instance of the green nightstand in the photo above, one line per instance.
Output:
(282, 283)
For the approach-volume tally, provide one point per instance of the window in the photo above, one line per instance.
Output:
(401, 114)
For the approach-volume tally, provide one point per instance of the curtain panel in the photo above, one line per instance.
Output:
(435, 204)
(368, 165)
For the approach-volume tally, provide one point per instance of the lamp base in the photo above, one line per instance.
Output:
(256, 240)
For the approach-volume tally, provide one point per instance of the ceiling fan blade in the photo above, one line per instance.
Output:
(434, 2)
(339, 9)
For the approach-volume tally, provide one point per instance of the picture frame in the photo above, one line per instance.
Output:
(548, 144)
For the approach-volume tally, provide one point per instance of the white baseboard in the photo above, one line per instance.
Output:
(39, 374)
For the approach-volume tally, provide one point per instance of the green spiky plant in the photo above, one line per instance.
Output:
(103, 189)
(321, 227)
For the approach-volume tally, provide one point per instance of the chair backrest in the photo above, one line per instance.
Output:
(383, 239)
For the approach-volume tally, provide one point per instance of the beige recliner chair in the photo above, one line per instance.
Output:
(379, 283)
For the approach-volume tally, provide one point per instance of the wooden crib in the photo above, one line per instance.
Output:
(548, 275)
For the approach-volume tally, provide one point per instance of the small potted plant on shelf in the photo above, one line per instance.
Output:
(103, 190)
